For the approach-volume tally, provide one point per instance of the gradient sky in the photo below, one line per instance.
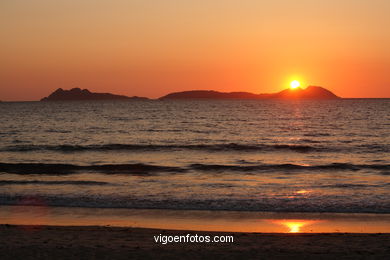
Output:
(152, 47)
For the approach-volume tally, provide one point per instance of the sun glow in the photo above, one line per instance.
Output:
(294, 84)
(302, 191)
(295, 225)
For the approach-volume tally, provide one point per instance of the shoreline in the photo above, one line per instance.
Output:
(64, 242)
(218, 221)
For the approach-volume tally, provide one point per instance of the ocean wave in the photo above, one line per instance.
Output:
(36, 182)
(59, 169)
(162, 147)
(287, 167)
(353, 186)
(147, 169)
(311, 146)
(330, 203)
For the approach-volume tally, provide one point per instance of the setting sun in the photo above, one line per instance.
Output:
(295, 84)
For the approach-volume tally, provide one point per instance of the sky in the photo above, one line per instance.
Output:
(154, 47)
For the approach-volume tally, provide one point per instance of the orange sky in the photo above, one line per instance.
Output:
(150, 48)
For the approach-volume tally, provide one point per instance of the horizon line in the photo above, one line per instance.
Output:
(38, 100)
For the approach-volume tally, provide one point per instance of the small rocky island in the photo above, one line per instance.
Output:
(85, 94)
(311, 92)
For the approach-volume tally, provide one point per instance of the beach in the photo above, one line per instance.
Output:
(93, 242)
(106, 179)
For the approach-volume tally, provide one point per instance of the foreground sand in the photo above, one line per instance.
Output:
(57, 242)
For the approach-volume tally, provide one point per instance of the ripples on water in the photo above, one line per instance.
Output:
(305, 156)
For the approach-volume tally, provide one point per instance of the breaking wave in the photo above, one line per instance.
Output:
(329, 204)
(311, 146)
(36, 182)
(161, 147)
(146, 169)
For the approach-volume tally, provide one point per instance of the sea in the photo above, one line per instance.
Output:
(313, 156)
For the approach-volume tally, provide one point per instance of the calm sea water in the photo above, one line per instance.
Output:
(290, 156)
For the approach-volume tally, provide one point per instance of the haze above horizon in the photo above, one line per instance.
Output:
(151, 48)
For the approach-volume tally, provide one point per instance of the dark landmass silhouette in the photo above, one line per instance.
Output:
(85, 94)
(311, 92)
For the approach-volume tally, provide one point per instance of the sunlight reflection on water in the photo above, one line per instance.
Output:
(295, 225)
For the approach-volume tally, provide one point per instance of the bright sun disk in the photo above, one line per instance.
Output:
(295, 84)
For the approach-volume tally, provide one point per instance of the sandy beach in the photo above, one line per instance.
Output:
(60, 242)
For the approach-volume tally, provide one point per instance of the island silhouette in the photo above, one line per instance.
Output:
(311, 92)
(85, 94)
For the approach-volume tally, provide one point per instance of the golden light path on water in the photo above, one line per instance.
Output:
(294, 226)
(257, 222)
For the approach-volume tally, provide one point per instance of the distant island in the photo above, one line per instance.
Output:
(311, 92)
(85, 94)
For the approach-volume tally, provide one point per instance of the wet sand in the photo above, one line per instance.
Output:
(93, 242)
(218, 221)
